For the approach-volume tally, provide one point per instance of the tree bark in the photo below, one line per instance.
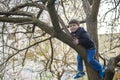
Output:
(109, 74)
(91, 22)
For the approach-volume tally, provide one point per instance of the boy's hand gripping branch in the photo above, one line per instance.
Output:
(75, 39)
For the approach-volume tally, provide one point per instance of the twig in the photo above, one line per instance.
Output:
(22, 50)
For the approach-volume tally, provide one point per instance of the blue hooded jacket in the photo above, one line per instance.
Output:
(84, 38)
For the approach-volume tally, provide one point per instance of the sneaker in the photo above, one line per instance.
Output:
(102, 72)
(79, 74)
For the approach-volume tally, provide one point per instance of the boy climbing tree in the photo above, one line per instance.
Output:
(81, 37)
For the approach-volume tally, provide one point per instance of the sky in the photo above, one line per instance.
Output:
(106, 27)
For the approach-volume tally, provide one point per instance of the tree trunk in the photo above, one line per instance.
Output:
(111, 68)
(91, 22)
(92, 75)
(92, 30)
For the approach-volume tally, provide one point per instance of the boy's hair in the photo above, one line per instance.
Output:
(75, 21)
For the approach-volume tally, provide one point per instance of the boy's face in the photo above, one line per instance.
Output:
(73, 27)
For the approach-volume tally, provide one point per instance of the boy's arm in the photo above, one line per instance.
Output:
(75, 41)
(84, 39)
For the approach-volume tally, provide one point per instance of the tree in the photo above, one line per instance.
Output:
(91, 8)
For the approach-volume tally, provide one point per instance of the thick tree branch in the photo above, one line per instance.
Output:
(18, 13)
(111, 67)
(15, 20)
(38, 15)
(52, 55)
(95, 9)
(54, 16)
(109, 73)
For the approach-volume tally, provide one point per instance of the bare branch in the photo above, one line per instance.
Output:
(64, 10)
(111, 9)
(23, 62)
(64, 26)
(37, 22)
(86, 7)
(52, 55)
(21, 13)
(38, 15)
(117, 46)
(40, 6)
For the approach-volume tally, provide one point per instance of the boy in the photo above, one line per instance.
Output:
(81, 37)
